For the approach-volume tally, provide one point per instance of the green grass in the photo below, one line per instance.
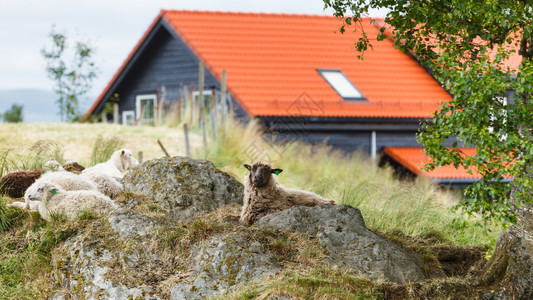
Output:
(25, 253)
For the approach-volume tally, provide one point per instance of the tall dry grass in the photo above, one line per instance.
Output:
(389, 205)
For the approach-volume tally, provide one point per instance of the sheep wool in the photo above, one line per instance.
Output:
(263, 194)
(66, 180)
(15, 184)
(121, 161)
(106, 184)
(71, 203)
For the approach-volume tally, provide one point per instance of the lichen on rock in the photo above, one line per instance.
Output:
(342, 231)
(222, 262)
(184, 186)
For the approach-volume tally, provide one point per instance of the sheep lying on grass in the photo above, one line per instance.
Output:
(263, 194)
(55, 200)
(15, 184)
(120, 162)
(66, 180)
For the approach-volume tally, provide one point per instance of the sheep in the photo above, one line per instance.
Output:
(71, 203)
(73, 167)
(120, 162)
(106, 184)
(66, 180)
(263, 194)
(16, 183)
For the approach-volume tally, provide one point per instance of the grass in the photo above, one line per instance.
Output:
(76, 141)
(25, 253)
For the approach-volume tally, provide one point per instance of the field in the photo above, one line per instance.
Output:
(415, 214)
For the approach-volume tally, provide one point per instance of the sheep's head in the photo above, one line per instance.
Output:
(260, 173)
(43, 191)
(127, 161)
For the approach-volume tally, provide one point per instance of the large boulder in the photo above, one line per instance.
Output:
(221, 263)
(510, 270)
(184, 186)
(342, 231)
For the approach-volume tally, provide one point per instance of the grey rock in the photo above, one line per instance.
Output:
(184, 186)
(342, 231)
(129, 224)
(510, 268)
(83, 264)
(221, 263)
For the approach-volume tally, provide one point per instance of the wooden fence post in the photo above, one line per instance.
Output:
(187, 146)
(201, 78)
(115, 113)
(179, 105)
(140, 157)
(224, 107)
(163, 148)
(204, 136)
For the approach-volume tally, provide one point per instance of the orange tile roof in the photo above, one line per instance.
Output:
(414, 159)
(272, 59)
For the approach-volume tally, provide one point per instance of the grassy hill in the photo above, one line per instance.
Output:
(413, 213)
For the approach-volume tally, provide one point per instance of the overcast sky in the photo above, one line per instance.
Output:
(112, 27)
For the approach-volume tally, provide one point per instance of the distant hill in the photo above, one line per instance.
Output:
(39, 105)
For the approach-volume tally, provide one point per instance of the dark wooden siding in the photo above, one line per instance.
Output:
(349, 134)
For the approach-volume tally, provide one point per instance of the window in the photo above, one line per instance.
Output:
(341, 84)
(207, 96)
(145, 107)
(128, 117)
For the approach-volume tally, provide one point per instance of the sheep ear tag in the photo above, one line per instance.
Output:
(54, 191)
(277, 172)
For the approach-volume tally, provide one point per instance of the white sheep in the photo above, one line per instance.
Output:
(71, 203)
(66, 180)
(263, 194)
(106, 184)
(120, 162)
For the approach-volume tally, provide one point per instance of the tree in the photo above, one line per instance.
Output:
(14, 114)
(467, 46)
(73, 79)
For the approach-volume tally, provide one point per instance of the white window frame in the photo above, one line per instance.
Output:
(341, 84)
(196, 94)
(126, 114)
(138, 106)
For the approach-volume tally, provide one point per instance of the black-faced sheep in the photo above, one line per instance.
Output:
(71, 203)
(120, 162)
(263, 194)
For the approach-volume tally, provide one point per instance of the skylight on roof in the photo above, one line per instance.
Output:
(341, 84)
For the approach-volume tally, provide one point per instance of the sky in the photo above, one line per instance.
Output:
(111, 27)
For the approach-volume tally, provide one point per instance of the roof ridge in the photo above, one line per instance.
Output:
(270, 14)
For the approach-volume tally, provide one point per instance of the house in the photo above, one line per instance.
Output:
(296, 73)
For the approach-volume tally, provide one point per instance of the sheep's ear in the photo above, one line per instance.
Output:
(276, 171)
(248, 167)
